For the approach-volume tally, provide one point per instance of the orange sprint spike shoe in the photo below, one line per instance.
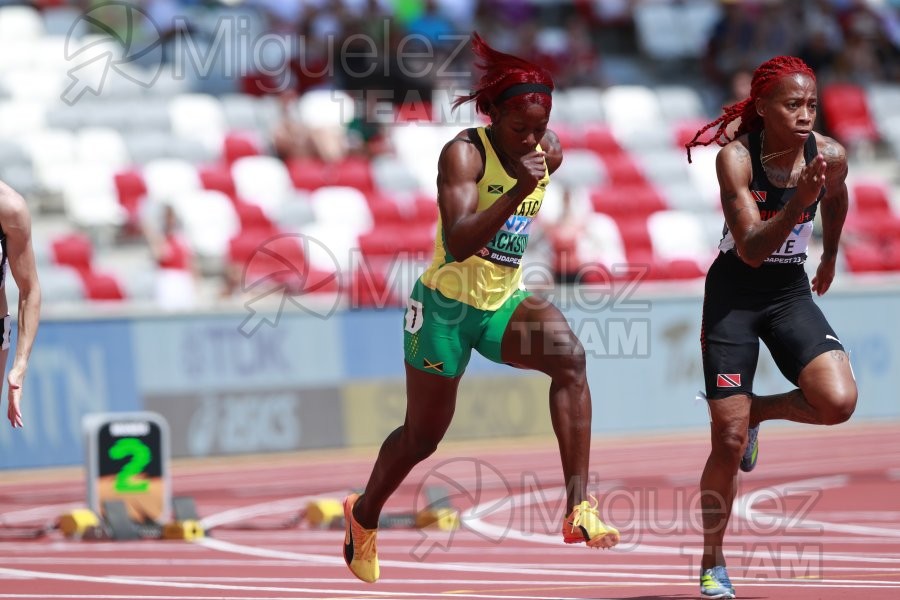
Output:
(584, 525)
(360, 550)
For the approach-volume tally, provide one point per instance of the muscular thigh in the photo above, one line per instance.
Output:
(796, 332)
(537, 335)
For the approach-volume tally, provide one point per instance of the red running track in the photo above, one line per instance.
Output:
(819, 518)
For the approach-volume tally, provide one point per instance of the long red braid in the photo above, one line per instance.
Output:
(764, 79)
(501, 71)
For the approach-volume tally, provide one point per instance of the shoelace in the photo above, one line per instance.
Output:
(368, 548)
(580, 510)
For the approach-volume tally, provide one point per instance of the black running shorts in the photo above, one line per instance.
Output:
(743, 305)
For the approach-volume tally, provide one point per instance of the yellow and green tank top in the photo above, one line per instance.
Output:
(487, 278)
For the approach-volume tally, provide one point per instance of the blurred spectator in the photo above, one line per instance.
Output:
(313, 125)
(176, 277)
(433, 25)
(731, 43)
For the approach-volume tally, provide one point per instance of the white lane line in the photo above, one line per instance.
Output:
(211, 586)
(743, 508)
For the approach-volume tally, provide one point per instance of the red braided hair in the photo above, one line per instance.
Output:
(764, 79)
(502, 71)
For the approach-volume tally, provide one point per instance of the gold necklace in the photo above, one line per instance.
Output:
(764, 158)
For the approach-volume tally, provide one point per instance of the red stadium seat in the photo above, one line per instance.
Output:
(74, 250)
(131, 190)
(239, 144)
(311, 174)
(370, 288)
(252, 217)
(865, 258)
(871, 198)
(684, 269)
(622, 170)
(635, 238)
(846, 113)
(354, 172)
(218, 178)
(101, 286)
(600, 139)
(686, 130)
(307, 173)
(393, 240)
(627, 201)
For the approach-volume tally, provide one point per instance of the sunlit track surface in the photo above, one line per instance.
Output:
(819, 518)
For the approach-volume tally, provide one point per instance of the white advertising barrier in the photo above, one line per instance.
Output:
(645, 369)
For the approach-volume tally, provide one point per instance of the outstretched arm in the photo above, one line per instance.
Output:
(834, 211)
(16, 222)
(757, 239)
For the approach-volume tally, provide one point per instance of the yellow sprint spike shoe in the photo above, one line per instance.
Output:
(360, 550)
(584, 525)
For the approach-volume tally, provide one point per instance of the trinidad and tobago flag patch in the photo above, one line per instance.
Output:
(728, 380)
(760, 195)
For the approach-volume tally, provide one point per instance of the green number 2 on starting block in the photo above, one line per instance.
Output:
(140, 454)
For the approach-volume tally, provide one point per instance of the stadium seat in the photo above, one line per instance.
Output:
(627, 201)
(580, 169)
(600, 241)
(20, 23)
(167, 178)
(102, 287)
(870, 197)
(89, 196)
(21, 118)
(73, 250)
(239, 144)
(198, 117)
(209, 221)
(633, 112)
(846, 113)
(60, 285)
(581, 106)
(393, 176)
(294, 213)
(330, 246)
(622, 170)
(240, 112)
(131, 192)
(341, 204)
(678, 235)
(262, 180)
(865, 257)
(635, 238)
(251, 216)
(389, 241)
(101, 145)
(679, 103)
(601, 140)
(665, 166)
(218, 177)
(308, 173)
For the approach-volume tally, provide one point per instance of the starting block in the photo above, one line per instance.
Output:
(77, 523)
(324, 512)
(118, 521)
(183, 530)
(186, 525)
(328, 513)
